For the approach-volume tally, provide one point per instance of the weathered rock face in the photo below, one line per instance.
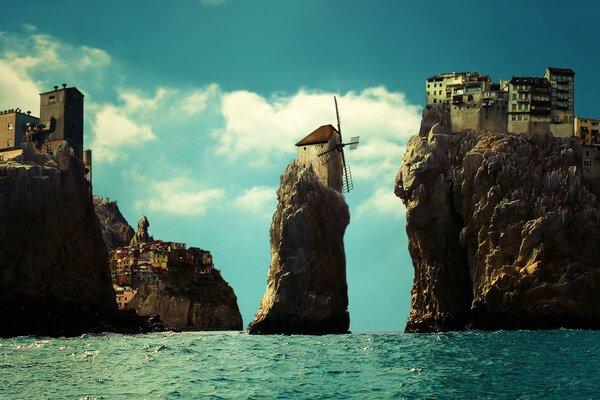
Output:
(504, 232)
(141, 235)
(54, 277)
(116, 232)
(306, 285)
(190, 303)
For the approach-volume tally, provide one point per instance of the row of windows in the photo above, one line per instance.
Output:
(562, 78)
(522, 107)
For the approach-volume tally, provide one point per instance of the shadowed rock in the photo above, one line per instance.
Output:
(504, 232)
(116, 232)
(306, 285)
(54, 277)
(187, 302)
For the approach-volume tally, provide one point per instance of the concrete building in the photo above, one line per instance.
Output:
(61, 110)
(528, 105)
(327, 167)
(562, 81)
(588, 130)
(13, 124)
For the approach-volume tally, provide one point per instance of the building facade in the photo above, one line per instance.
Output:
(562, 81)
(13, 124)
(588, 130)
(528, 105)
(61, 110)
(319, 150)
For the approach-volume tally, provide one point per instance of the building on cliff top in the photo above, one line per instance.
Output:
(13, 125)
(471, 100)
(328, 168)
(61, 118)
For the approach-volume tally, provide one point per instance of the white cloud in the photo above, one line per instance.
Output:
(259, 130)
(118, 127)
(18, 90)
(180, 196)
(27, 56)
(114, 131)
(383, 201)
(259, 200)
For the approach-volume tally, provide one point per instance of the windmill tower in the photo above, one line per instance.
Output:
(324, 150)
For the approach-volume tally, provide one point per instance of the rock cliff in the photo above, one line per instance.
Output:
(189, 302)
(504, 232)
(54, 277)
(116, 232)
(306, 285)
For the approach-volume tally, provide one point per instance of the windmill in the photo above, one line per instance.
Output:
(329, 153)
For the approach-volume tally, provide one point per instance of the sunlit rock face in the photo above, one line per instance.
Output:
(186, 302)
(306, 285)
(504, 232)
(54, 277)
(116, 232)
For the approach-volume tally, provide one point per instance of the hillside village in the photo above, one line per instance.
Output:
(148, 262)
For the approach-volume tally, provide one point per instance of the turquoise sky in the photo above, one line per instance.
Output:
(193, 108)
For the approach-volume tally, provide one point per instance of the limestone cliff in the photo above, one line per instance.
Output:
(54, 277)
(306, 285)
(190, 303)
(504, 232)
(116, 232)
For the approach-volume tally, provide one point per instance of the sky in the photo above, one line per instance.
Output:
(192, 108)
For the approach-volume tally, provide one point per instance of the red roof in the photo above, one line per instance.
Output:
(320, 135)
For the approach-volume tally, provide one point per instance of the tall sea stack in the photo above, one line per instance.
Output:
(54, 277)
(306, 285)
(504, 232)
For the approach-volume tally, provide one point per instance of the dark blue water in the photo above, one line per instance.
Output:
(560, 364)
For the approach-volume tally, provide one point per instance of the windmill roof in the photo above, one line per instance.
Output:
(320, 135)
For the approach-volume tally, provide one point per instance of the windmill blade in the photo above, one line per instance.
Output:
(337, 114)
(353, 143)
(347, 184)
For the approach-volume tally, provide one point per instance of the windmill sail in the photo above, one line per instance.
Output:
(347, 184)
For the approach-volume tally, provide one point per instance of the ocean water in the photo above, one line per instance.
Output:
(560, 364)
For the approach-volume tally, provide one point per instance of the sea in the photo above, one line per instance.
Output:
(558, 364)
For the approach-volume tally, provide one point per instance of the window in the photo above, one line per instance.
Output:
(514, 107)
(11, 125)
(9, 143)
(519, 117)
(525, 117)
(52, 99)
(514, 96)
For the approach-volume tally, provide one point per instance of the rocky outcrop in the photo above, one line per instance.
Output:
(116, 232)
(504, 232)
(188, 302)
(54, 277)
(306, 285)
(141, 235)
